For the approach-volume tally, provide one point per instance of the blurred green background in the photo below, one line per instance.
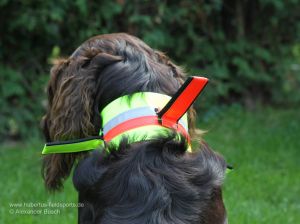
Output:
(249, 49)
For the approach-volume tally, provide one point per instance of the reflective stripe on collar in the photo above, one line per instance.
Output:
(134, 114)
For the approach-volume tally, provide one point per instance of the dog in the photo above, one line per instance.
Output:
(153, 180)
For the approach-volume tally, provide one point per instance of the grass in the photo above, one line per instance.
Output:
(21, 182)
(263, 146)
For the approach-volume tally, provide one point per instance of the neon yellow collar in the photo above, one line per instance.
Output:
(125, 109)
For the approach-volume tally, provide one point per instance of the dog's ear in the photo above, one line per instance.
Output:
(72, 104)
(71, 93)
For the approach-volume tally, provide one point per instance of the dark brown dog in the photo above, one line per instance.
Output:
(146, 182)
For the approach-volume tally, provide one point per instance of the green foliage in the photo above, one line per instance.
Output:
(249, 49)
(20, 102)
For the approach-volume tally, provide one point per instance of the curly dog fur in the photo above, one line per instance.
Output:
(146, 182)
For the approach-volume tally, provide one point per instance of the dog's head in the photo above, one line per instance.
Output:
(102, 69)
